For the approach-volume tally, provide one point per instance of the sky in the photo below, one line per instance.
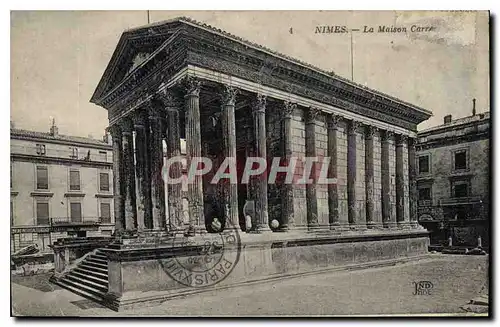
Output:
(58, 57)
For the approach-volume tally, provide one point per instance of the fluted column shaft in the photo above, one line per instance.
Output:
(118, 183)
(129, 176)
(351, 172)
(143, 182)
(261, 204)
(228, 99)
(369, 177)
(412, 174)
(333, 195)
(173, 139)
(193, 149)
(387, 218)
(402, 219)
(156, 167)
(287, 214)
(311, 198)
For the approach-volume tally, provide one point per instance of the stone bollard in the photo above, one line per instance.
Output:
(479, 242)
(450, 241)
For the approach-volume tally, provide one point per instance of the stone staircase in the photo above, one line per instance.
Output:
(89, 278)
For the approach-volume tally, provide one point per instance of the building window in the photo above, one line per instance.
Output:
(42, 213)
(103, 155)
(423, 164)
(104, 182)
(75, 211)
(74, 152)
(40, 149)
(460, 190)
(42, 178)
(105, 213)
(460, 159)
(74, 180)
(424, 193)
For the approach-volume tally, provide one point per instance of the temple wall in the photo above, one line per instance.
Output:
(298, 151)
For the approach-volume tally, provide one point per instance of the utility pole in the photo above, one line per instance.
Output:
(148, 16)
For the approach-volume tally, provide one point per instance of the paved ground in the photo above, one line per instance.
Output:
(456, 280)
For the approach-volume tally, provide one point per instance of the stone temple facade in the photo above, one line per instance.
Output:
(230, 98)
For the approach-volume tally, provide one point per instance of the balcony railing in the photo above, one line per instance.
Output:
(459, 201)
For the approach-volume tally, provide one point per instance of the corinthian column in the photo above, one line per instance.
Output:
(369, 177)
(192, 87)
(402, 217)
(287, 213)
(261, 205)
(351, 172)
(412, 173)
(311, 199)
(143, 192)
(172, 105)
(333, 196)
(118, 183)
(156, 160)
(128, 175)
(228, 99)
(388, 220)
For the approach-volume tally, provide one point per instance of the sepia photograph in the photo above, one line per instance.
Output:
(250, 163)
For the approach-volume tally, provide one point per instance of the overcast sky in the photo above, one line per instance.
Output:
(58, 58)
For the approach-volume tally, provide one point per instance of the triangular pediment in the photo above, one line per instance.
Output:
(134, 47)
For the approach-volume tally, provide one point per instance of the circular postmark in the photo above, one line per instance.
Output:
(205, 259)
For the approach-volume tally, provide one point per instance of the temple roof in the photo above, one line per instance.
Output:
(138, 46)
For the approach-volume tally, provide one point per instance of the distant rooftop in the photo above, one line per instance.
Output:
(22, 133)
(457, 122)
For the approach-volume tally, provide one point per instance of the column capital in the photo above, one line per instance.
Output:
(354, 126)
(288, 108)
(401, 139)
(114, 130)
(259, 105)
(370, 131)
(168, 98)
(311, 113)
(387, 135)
(191, 86)
(140, 116)
(228, 95)
(333, 121)
(412, 141)
(126, 125)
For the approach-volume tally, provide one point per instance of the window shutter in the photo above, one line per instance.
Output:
(74, 180)
(42, 213)
(104, 181)
(76, 212)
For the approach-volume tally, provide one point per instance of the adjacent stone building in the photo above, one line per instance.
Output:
(60, 186)
(454, 180)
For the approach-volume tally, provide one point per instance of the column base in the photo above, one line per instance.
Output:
(261, 229)
(404, 225)
(283, 228)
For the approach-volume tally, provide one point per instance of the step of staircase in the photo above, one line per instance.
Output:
(91, 272)
(97, 262)
(87, 282)
(96, 293)
(98, 280)
(92, 266)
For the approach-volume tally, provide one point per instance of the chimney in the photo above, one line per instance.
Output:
(54, 131)
(473, 107)
(447, 119)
